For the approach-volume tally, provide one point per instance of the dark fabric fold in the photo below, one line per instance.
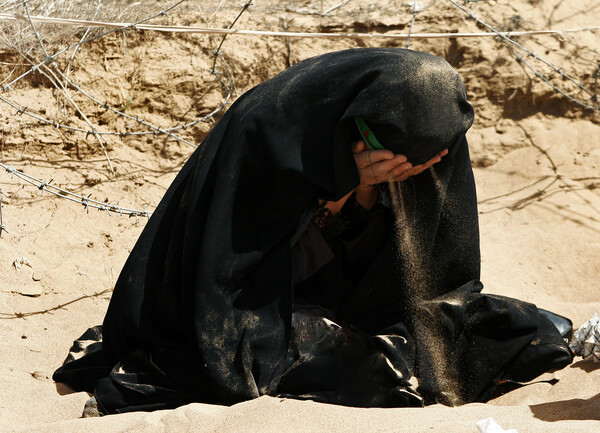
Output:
(204, 307)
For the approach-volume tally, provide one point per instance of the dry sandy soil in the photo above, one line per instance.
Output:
(536, 156)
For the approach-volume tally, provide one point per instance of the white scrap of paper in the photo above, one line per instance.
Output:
(586, 341)
(488, 425)
(20, 262)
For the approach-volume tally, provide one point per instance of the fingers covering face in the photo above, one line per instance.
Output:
(376, 166)
(368, 157)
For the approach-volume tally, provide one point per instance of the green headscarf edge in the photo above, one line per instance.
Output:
(367, 134)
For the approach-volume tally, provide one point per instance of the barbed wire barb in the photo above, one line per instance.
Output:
(218, 50)
(43, 185)
(2, 226)
(412, 22)
(37, 35)
(10, 170)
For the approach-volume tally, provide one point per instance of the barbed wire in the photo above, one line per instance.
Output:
(20, 315)
(86, 201)
(62, 82)
(245, 32)
(545, 187)
(117, 28)
(37, 35)
(218, 50)
(155, 130)
(50, 60)
(554, 86)
(87, 31)
(415, 11)
(43, 69)
(505, 36)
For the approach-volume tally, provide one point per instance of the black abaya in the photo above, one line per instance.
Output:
(205, 309)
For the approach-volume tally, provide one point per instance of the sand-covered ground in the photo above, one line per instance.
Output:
(536, 156)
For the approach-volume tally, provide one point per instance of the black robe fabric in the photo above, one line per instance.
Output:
(205, 309)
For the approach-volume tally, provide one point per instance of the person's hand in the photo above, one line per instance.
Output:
(422, 167)
(377, 166)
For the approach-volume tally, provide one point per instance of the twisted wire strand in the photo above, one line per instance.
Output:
(50, 69)
(155, 130)
(505, 36)
(49, 60)
(86, 201)
(246, 32)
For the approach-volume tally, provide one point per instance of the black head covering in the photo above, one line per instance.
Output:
(202, 308)
(420, 111)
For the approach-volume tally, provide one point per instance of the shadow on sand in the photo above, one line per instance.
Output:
(573, 409)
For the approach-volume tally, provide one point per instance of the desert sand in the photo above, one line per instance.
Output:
(537, 165)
